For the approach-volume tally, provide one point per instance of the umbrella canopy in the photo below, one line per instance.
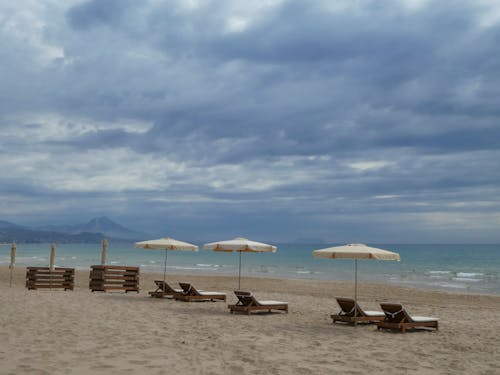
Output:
(355, 251)
(166, 244)
(240, 245)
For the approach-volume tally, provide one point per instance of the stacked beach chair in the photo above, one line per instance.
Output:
(105, 278)
(45, 278)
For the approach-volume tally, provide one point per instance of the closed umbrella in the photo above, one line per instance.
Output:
(12, 261)
(355, 251)
(52, 262)
(240, 245)
(52, 257)
(166, 244)
(104, 251)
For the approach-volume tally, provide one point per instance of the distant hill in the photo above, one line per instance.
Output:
(97, 225)
(108, 227)
(19, 235)
(91, 232)
(7, 225)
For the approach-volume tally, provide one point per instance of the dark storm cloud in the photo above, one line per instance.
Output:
(297, 116)
(98, 13)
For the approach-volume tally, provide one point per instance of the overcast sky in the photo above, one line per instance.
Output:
(336, 121)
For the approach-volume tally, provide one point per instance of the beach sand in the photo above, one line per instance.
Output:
(80, 332)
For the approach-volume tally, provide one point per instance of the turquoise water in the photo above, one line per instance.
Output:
(466, 268)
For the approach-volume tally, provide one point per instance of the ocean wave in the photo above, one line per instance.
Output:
(471, 275)
(207, 265)
(466, 279)
(187, 268)
(440, 272)
(452, 286)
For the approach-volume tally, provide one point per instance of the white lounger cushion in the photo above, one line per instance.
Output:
(212, 293)
(178, 290)
(374, 313)
(269, 303)
(422, 319)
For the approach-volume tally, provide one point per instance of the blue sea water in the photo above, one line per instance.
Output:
(465, 268)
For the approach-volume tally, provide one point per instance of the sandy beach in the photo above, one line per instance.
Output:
(80, 332)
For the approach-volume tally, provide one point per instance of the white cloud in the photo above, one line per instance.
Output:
(40, 127)
(25, 24)
(369, 165)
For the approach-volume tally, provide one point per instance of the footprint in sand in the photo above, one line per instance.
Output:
(137, 362)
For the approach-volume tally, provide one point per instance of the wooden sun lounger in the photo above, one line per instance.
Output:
(347, 309)
(396, 317)
(164, 290)
(247, 303)
(190, 293)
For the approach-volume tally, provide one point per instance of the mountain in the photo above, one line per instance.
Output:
(8, 225)
(19, 234)
(107, 227)
(91, 232)
(101, 225)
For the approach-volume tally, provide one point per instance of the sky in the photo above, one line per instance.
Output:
(278, 120)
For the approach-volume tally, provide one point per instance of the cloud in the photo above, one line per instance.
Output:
(378, 118)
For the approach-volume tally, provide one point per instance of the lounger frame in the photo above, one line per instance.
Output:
(247, 303)
(164, 290)
(346, 314)
(190, 293)
(397, 318)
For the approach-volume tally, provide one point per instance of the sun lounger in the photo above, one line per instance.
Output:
(164, 290)
(396, 317)
(190, 293)
(346, 315)
(248, 303)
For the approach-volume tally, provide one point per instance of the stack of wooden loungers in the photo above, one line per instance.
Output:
(109, 278)
(44, 278)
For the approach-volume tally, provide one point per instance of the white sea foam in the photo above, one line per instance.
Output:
(193, 268)
(471, 275)
(453, 286)
(439, 272)
(466, 279)
(207, 265)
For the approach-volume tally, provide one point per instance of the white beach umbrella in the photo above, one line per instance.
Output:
(240, 245)
(355, 251)
(166, 244)
(12, 260)
(104, 251)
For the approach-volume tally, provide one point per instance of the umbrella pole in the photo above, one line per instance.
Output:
(165, 267)
(355, 290)
(239, 273)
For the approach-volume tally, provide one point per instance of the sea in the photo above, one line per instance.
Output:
(461, 268)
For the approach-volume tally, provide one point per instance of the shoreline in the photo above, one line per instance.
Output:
(445, 268)
(159, 276)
